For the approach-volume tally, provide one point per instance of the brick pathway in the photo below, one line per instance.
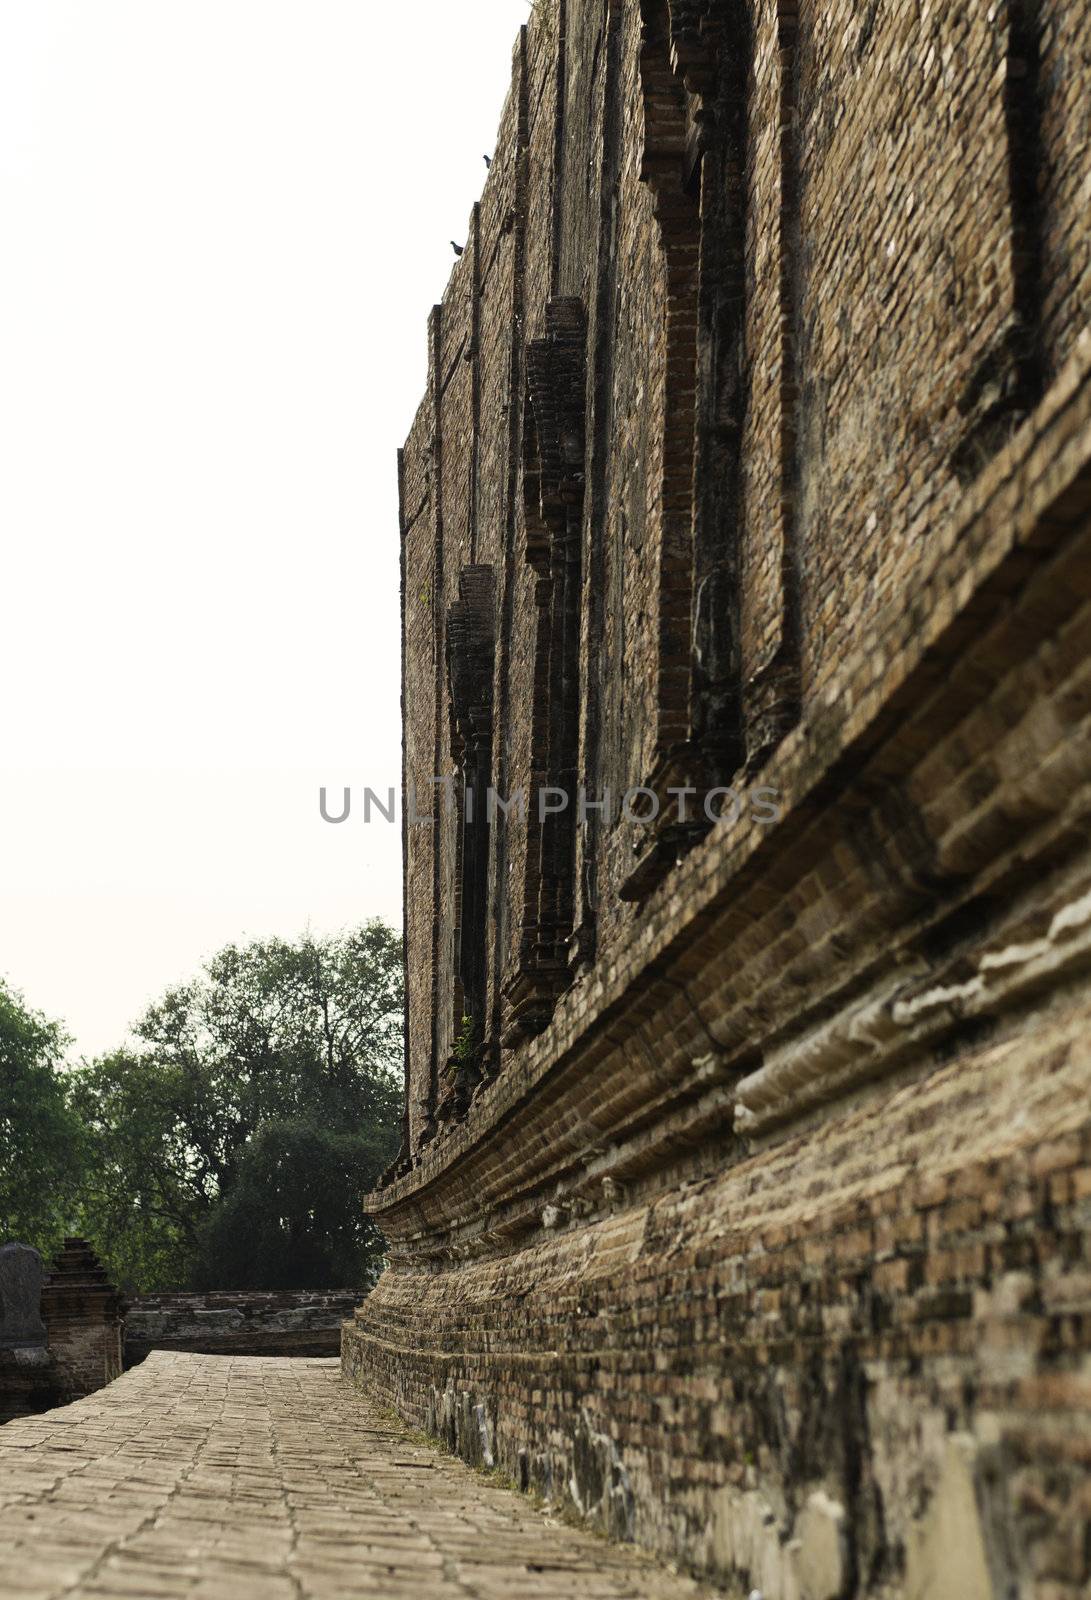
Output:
(233, 1478)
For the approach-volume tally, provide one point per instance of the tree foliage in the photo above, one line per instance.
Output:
(41, 1142)
(292, 1219)
(232, 1146)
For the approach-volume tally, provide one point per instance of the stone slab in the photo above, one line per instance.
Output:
(205, 1476)
(20, 1297)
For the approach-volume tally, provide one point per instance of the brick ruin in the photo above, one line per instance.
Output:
(68, 1333)
(745, 1198)
(27, 1375)
(85, 1316)
(63, 1339)
(238, 1322)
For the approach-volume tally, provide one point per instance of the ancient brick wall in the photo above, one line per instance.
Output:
(248, 1322)
(84, 1318)
(1060, 60)
(750, 1213)
(763, 457)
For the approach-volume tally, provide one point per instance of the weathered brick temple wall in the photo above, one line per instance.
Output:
(745, 1202)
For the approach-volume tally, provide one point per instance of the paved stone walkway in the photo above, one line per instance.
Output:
(233, 1478)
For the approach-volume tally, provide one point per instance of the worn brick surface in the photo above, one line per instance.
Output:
(243, 1322)
(83, 1314)
(829, 260)
(206, 1477)
(750, 1220)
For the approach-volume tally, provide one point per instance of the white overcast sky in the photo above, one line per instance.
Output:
(222, 225)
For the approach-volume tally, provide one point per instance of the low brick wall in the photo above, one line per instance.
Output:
(239, 1322)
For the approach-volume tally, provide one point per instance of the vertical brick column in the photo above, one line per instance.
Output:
(84, 1318)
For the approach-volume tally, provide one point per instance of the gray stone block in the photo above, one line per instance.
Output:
(21, 1322)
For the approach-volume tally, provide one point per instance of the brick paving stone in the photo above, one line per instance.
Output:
(226, 1478)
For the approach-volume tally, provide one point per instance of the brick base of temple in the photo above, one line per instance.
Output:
(773, 1252)
(825, 1369)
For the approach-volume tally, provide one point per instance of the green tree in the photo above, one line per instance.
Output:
(144, 1191)
(293, 1219)
(41, 1142)
(232, 1146)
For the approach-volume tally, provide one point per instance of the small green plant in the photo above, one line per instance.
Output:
(464, 1044)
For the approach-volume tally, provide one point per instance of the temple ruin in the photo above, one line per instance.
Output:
(744, 1206)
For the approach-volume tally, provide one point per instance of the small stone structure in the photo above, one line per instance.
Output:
(84, 1315)
(61, 1337)
(20, 1297)
(239, 1323)
(71, 1334)
(27, 1375)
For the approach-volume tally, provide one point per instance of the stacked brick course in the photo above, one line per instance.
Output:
(233, 1322)
(84, 1317)
(753, 1216)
